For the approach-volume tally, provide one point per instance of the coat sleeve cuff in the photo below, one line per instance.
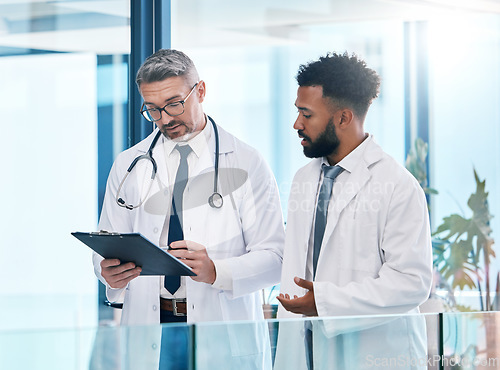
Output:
(223, 279)
(115, 295)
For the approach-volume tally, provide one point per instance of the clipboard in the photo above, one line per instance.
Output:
(135, 248)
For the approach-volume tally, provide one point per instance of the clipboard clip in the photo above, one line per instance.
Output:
(103, 232)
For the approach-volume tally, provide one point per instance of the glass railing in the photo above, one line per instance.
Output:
(424, 341)
(471, 340)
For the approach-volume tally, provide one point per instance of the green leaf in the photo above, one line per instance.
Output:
(470, 246)
(454, 224)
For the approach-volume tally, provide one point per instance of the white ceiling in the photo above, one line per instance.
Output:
(226, 21)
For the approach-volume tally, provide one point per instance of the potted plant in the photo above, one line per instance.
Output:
(462, 247)
(463, 251)
(466, 250)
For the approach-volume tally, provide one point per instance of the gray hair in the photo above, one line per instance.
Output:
(167, 63)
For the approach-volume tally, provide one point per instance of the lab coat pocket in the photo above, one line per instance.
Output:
(366, 250)
(358, 244)
(245, 338)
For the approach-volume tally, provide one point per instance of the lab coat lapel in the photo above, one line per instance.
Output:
(160, 195)
(162, 182)
(206, 162)
(201, 182)
(207, 159)
(355, 182)
(306, 202)
(357, 179)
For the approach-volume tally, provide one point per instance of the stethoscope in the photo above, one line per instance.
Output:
(215, 200)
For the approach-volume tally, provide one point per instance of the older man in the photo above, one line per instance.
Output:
(233, 243)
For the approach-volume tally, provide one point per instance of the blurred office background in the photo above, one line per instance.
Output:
(64, 112)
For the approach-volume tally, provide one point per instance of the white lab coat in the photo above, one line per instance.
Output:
(244, 238)
(375, 259)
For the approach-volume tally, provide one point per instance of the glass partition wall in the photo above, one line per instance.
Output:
(63, 99)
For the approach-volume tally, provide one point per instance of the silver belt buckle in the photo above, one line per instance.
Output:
(174, 306)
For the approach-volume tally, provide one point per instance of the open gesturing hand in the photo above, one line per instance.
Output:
(304, 305)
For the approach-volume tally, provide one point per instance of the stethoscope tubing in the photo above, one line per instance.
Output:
(216, 160)
(215, 200)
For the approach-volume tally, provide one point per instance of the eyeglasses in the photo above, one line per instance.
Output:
(172, 109)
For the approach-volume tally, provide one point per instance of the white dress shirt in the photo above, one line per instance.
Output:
(199, 146)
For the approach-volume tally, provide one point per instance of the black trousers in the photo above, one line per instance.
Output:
(174, 342)
(308, 341)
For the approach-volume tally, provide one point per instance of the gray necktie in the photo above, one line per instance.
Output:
(175, 232)
(325, 193)
(181, 179)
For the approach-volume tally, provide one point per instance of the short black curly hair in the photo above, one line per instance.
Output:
(345, 79)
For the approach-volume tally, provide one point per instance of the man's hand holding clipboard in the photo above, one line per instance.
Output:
(195, 256)
(118, 275)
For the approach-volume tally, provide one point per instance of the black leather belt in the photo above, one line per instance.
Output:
(177, 306)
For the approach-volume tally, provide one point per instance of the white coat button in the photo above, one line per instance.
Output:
(155, 230)
(154, 346)
(192, 306)
(154, 308)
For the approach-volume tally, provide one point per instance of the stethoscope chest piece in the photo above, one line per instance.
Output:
(215, 200)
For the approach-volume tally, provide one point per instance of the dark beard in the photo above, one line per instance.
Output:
(326, 144)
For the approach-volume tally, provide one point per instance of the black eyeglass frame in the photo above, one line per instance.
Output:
(147, 116)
